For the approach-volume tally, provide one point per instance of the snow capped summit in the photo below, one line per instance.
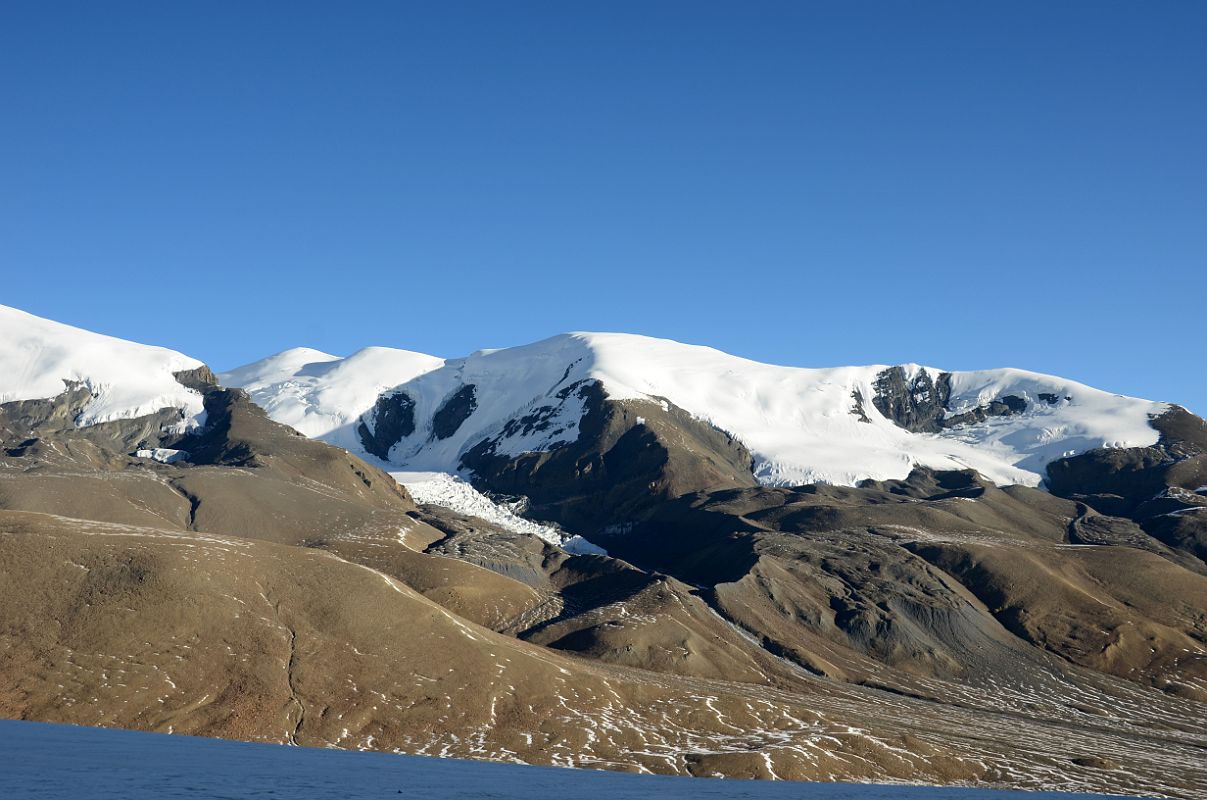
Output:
(323, 396)
(276, 368)
(39, 358)
(838, 425)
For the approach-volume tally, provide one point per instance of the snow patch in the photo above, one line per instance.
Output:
(164, 455)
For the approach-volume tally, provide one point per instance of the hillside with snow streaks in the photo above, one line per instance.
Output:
(801, 425)
(324, 396)
(40, 358)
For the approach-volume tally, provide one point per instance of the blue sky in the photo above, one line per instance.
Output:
(966, 185)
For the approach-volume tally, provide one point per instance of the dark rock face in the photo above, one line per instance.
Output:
(916, 404)
(858, 409)
(201, 379)
(219, 442)
(454, 411)
(1004, 406)
(1113, 481)
(393, 418)
(1157, 487)
(21, 418)
(921, 404)
(1186, 531)
(27, 425)
(1182, 433)
(627, 457)
(32, 426)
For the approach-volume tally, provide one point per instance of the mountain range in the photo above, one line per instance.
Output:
(606, 550)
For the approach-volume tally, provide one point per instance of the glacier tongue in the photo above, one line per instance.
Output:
(451, 492)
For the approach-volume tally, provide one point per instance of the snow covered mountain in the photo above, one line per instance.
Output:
(503, 416)
(838, 426)
(41, 359)
(630, 502)
(324, 396)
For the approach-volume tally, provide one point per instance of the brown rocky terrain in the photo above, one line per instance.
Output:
(936, 629)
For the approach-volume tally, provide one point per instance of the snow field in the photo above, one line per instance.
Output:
(38, 358)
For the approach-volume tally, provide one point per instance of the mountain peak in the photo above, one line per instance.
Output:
(40, 357)
(834, 425)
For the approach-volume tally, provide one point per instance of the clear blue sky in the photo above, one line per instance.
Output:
(961, 184)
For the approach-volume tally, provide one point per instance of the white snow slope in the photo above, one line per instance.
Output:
(39, 357)
(797, 422)
(324, 396)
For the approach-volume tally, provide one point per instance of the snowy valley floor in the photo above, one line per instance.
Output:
(41, 760)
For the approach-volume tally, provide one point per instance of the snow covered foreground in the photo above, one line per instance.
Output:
(801, 425)
(449, 491)
(42, 761)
